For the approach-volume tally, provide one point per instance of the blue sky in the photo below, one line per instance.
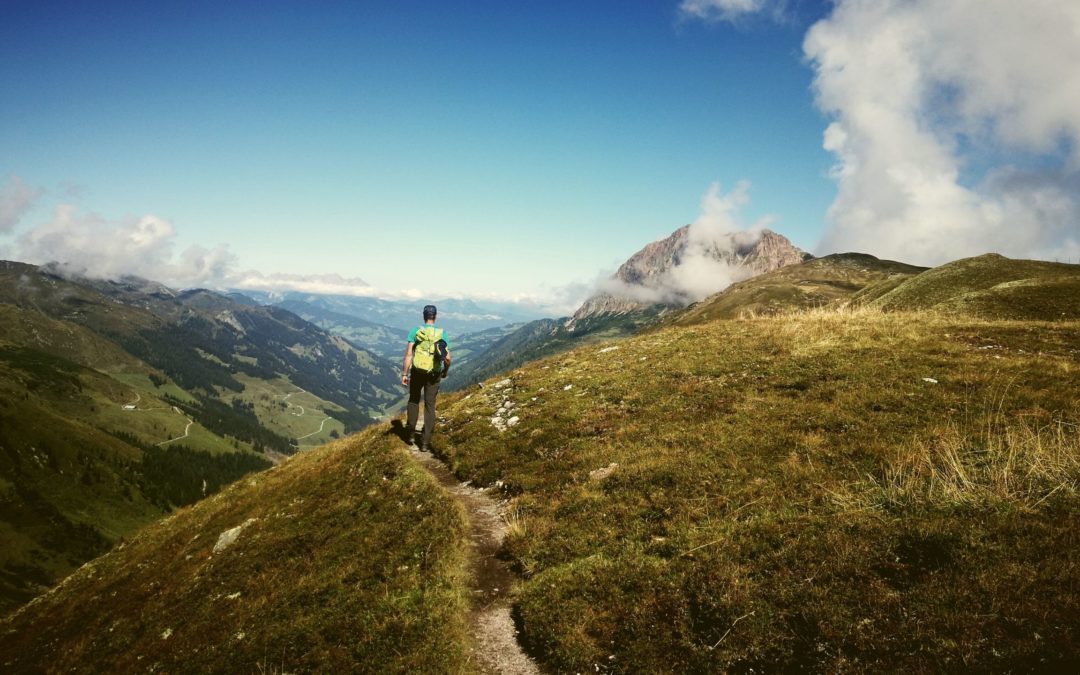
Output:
(503, 146)
(521, 149)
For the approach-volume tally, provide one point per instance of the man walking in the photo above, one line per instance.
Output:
(427, 358)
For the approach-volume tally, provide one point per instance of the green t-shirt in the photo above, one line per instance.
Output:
(412, 335)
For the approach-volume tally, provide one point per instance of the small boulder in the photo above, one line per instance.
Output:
(603, 472)
(229, 537)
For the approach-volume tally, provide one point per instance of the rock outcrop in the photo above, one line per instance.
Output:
(745, 254)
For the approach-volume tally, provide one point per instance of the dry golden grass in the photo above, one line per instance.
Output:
(1016, 461)
(827, 490)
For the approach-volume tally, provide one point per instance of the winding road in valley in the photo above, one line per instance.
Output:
(317, 431)
(178, 411)
(187, 429)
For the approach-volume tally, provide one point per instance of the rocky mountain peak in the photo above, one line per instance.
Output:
(674, 271)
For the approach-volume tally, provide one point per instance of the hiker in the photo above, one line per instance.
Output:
(427, 360)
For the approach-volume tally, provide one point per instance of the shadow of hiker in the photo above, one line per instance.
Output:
(397, 428)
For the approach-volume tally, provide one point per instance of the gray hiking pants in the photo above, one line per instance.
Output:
(422, 382)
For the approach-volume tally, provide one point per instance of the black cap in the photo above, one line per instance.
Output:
(429, 312)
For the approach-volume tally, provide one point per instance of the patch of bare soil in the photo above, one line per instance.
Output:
(498, 650)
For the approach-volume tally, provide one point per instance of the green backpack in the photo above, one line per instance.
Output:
(424, 352)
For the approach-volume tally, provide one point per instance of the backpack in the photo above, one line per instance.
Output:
(440, 358)
(424, 354)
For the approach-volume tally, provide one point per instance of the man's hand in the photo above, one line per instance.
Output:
(404, 380)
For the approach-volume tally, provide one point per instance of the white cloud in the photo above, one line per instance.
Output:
(322, 284)
(940, 110)
(90, 245)
(16, 198)
(730, 10)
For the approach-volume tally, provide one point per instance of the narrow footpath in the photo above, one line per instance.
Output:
(498, 649)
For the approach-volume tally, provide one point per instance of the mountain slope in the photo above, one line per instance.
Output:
(202, 340)
(545, 337)
(124, 399)
(858, 491)
(816, 283)
(344, 559)
(76, 469)
(992, 286)
(818, 492)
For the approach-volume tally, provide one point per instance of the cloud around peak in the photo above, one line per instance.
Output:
(706, 260)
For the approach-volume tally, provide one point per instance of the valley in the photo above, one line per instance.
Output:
(122, 401)
(835, 485)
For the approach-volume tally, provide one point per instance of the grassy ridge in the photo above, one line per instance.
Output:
(767, 495)
(349, 559)
(816, 283)
(993, 286)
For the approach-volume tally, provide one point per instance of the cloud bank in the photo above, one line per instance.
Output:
(955, 127)
(320, 284)
(92, 246)
(89, 245)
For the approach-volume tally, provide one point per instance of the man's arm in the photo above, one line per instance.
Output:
(406, 364)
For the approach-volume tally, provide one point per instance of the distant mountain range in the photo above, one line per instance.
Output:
(460, 315)
(122, 399)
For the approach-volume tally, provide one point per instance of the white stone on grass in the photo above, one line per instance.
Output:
(229, 537)
(603, 472)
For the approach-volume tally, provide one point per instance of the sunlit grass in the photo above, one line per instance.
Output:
(828, 489)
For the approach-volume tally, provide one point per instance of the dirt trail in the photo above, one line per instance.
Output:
(187, 429)
(498, 648)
